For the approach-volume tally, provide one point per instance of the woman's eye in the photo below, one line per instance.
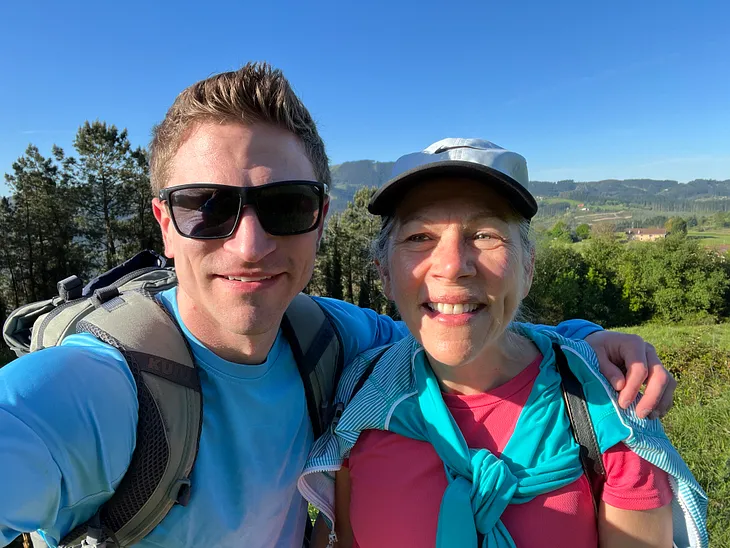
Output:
(418, 238)
(483, 236)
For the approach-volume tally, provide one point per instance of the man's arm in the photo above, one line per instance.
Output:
(627, 362)
(361, 328)
(68, 419)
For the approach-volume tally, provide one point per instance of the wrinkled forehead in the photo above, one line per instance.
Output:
(461, 199)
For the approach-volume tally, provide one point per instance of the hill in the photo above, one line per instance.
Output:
(350, 176)
(697, 196)
(634, 190)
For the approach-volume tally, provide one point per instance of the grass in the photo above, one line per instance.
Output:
(712, 238)
(673, 336)
(699, 423)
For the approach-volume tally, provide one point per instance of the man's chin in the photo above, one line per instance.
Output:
(251, 322)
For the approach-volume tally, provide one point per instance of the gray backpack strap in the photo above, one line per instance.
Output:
(170, 418)
(318, 352)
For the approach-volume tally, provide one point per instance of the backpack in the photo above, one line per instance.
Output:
(119, 308)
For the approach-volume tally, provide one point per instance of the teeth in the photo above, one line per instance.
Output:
(245, 279)
(461, 308)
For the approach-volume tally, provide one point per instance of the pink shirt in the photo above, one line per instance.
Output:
(397, 483)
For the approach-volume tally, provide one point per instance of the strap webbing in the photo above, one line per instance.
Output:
(582, 426)
(166, 369)
(305, 368)
(368, 371)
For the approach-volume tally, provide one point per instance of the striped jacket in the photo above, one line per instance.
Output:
(391, 384)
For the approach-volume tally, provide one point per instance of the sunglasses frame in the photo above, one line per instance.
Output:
(243, 192)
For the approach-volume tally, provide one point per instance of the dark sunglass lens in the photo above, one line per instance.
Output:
(288, 209)
(204, 212)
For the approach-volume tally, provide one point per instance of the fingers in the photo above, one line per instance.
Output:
(633, 351)
(610, 370)
(664, 403)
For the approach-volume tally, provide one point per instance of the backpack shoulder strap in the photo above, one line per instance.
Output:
(582, 426)
(369, 370)
(169, 423)
(317, 349)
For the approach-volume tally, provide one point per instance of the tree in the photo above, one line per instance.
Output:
(583, 231)
(603, 231)
(561, 232)
(103, 170)
(676, 226)
(43, 212)
(139, 230)
(344, 266)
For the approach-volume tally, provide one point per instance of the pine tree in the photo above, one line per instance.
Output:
(103, 170)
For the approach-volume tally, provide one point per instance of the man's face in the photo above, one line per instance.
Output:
(239, 285)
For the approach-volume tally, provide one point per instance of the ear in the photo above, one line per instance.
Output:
(162, 215)
(384, 279)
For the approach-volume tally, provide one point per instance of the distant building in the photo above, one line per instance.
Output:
(646, 234)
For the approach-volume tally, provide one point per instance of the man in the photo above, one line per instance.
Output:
(69, 413)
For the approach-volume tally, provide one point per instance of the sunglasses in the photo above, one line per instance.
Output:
(205, 211)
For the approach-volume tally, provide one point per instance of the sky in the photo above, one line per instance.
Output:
(584, 90)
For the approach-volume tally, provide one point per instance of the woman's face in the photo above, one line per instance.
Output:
(455, 268)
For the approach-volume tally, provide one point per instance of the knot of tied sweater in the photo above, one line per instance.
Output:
(541, 456)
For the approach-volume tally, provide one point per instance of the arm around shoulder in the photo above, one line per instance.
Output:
(68, 419)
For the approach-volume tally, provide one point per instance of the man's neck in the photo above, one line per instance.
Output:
(248, 349)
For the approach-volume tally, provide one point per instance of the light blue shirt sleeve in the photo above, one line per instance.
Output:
(361, 328)
(572, 329)
(68, 419)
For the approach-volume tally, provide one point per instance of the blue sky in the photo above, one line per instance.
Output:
(584, 90)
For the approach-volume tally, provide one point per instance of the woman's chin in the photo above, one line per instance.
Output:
(452, 356)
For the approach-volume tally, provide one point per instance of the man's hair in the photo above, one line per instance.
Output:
(256, 93)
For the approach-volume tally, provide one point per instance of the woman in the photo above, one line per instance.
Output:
(459, 435)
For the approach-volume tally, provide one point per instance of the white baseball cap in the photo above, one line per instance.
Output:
(463, 158)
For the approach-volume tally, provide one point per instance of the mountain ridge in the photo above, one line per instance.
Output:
(348, 177)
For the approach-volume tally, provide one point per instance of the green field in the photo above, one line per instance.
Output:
(666, 337)
(716, 237)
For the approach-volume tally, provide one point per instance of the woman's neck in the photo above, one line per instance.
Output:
(496, 365)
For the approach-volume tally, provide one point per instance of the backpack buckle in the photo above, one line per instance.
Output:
(182, 491)
(70, 289)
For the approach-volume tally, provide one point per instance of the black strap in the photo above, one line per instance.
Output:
(167, 369)
(308, 532)
(368, 370)
(304, 371)
(582, 426)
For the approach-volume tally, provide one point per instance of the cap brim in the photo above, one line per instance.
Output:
(387, 197)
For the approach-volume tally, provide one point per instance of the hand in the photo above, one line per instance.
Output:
(619, 352)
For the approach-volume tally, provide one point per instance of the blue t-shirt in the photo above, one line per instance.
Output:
(68, 420)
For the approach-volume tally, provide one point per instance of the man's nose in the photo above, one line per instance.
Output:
(250, 241)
